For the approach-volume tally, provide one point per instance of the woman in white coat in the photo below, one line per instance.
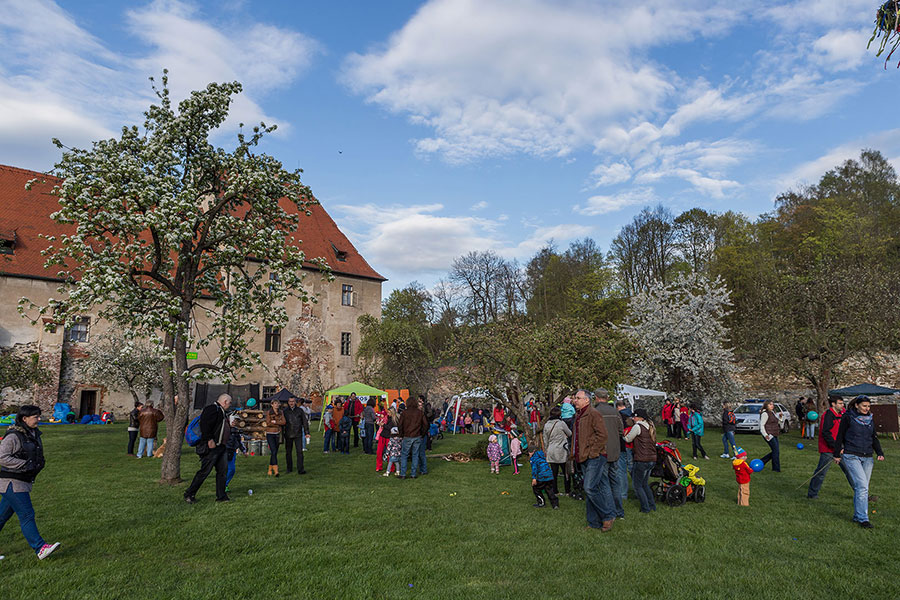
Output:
(556, 436)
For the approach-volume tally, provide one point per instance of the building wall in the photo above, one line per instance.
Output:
(309, 359)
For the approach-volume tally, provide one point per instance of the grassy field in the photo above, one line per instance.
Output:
(343, 531)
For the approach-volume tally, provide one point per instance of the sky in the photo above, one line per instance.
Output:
(430, 129)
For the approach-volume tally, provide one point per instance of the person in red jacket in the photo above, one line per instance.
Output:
(742, 472)
(830, 423)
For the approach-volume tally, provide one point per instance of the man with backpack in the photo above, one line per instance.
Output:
(214, 434)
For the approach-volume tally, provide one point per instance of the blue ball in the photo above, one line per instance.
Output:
(799, 446)
(757, 465)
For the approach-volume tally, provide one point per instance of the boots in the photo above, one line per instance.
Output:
(270, 470)
(276, 470)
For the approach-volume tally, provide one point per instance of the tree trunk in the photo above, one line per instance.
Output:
(176, 415)
(823, 384)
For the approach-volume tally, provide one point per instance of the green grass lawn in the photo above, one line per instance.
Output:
(343, 531)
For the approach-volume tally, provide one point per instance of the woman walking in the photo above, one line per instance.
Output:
(855, 443)
(643, 436)
(21, 459)
(770, 428)
(695, 426)
(274, 422)
(556, 441)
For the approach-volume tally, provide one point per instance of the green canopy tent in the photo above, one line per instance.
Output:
(360, 389)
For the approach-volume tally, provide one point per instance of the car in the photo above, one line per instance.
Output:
(747, 416)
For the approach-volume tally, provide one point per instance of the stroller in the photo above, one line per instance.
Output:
(678, 482)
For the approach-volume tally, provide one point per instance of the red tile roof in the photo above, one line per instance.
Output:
(27, 214)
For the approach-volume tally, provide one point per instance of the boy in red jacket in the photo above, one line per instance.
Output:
(742, 472)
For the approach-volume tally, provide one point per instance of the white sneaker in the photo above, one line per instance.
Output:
(386, 475)
(724, 456)
(46, 550)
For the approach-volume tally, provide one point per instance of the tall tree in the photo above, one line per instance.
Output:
(644, 250)
(492, 286)
(168, 226)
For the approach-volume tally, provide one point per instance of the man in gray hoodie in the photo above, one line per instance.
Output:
(609, 475)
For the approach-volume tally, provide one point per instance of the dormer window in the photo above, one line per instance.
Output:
(340, 254)
(7, 241)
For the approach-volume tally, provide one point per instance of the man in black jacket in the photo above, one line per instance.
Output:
(296, 427)
(214, 434)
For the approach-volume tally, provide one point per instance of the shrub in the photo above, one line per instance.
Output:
(479, 450)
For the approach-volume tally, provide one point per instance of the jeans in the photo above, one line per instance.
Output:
(407, 446)
(132, 438)
(148, 444)
(368, 439)
(826, 459)
(598, 506)
(423, 464)
(20, 504)
(696, 445)
(211, 459)
(860, 470)
(289, 445)
(272, 440)
(232, 467)
(609, 485)
(728, 438)
(329, 440)
(641, 479)
(774, 455)
(626, 459)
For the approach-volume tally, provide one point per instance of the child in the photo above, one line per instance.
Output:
(493, 454)
(541, 479)
(742, 472)
(234, 445)
(344, 426)
(392, 453)
(329, 424)
(515, 449)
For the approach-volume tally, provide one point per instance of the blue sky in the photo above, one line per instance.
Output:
(428, 129)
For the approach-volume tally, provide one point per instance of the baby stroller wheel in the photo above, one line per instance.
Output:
(676, 496)
(654, 488)
(700, 494)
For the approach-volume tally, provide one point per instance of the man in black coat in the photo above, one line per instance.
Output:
(214, 434)
(296, 427)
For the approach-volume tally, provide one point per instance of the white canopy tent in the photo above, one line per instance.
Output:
(456, 400)
(629, 393)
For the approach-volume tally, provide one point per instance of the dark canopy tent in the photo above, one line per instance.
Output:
(283, 396)
(863, 389)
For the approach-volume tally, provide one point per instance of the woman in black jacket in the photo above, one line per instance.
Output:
(855, 443)
(21, 459)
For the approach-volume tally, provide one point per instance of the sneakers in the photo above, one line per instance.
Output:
(864, 525)
(386, 474)
(46, 550)
(724, 456)
(190, 500)
(225, 499)
(539, 505)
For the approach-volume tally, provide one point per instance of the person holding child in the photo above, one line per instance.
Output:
(643, 436)
(541, 479)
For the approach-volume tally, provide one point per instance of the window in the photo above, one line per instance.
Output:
(80, 330)
(273, 339)
(347, 295)
(341, 255)
(268, 391)
(7, 246)
(345, 343)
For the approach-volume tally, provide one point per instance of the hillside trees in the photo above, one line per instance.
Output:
(167, 226)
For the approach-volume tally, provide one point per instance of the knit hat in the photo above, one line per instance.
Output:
(492, 439)
(740, 453)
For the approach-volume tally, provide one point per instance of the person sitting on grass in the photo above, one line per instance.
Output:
(541, 479)
(742, 473)
(21, 459)
(494, 452)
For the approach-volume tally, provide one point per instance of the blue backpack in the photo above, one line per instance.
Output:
(192, 433)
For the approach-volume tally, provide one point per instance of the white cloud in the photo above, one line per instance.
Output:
(58, 80)
(841, 50)
(619, 172)
(799, 14)
(479, 205)
(412, 241)
(601, 205)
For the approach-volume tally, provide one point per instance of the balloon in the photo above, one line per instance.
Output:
(812, 416)
(251, 402)
(799, 446)
(757, 465)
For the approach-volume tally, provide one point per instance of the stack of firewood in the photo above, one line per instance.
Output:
(252, 424)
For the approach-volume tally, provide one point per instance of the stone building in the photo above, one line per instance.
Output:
(314, 352)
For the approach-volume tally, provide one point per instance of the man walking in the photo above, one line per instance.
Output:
(354, 411)
(296, 429)
(588, 443)
(214, 434)
(412, 421)
(609, 474)
(831, 422)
